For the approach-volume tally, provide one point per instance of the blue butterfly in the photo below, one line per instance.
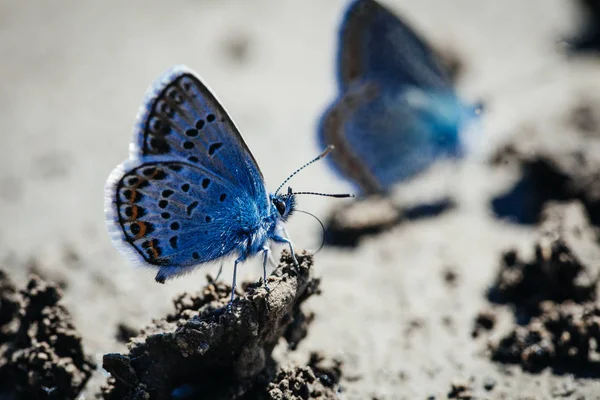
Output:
(191, 191)
(397, 111)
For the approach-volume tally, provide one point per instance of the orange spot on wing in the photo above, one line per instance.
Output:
(153, 250)
(134, 212)
(142, 232)
(132, 196)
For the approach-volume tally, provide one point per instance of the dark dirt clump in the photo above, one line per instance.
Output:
(125, 332)
(41, 355)
(484, 321)
(327, 370)
(564, 267)
(374, 215)
(202, 349)
(460, 390)
(300, 382)
(563, 337)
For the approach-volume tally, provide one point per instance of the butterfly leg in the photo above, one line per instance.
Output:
(287, 236)
(281, 239)
(233, 283)
(266, 254)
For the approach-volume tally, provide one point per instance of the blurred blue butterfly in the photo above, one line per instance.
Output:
(397, 111)
(191, 191)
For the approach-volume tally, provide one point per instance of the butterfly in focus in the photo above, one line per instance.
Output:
(191, 191)
(397, 112)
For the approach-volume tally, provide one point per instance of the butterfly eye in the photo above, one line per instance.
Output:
(280, 206)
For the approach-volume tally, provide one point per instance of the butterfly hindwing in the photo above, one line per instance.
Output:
(176, 215)
(376, 44)
(182, 119)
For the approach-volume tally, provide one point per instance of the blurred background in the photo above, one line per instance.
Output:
(74, 75)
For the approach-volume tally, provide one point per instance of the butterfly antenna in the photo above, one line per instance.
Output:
(336, 195)
(323, 154)
(322, 228)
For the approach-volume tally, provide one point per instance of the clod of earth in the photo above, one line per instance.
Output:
(41, 355)
(203, 349)
(460, 390)
(562, 337)
(564, 267)
(484, 321)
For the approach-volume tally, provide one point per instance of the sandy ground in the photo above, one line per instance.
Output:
(74, 74)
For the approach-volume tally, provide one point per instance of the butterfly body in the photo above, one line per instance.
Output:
(397, 111)
(191, 192)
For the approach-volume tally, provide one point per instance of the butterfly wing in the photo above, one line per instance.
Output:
(191, 192)
(382, 138)
(375, 44)
(182, 119)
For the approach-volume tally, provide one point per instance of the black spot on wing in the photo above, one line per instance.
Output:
(191, 133)
(159, 145)
(214, 147)
(134, 228)
(191, 207)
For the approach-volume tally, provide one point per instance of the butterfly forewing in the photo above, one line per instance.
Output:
(377, 45)
(183, 120)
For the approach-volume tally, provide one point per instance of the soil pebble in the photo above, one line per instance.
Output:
(41, 354)
(125, 332)
(298, 382)
(484, 321)
(489, 384)
(564, 266)
(460, 390)
(202, 348)
(450, 277)
(329, 371)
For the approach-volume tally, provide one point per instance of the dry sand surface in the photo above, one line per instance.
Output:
(74, 74)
